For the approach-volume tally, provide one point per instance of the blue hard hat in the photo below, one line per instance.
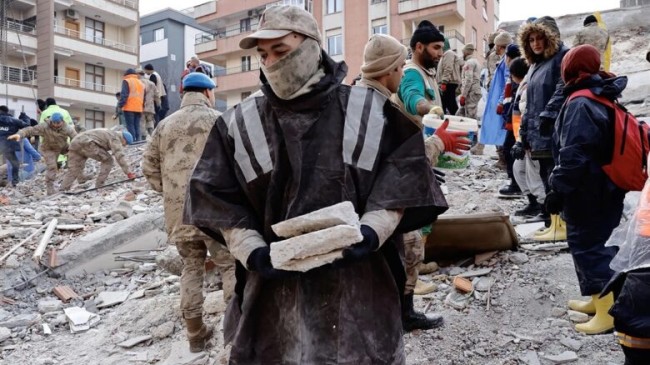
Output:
(127, 137)
(56, 117)
(198, 80)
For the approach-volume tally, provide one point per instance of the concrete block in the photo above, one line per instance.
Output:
(338, 214)
(93, 252)
(306, 264)
(314, 244)
(110, 298)
(46, 306)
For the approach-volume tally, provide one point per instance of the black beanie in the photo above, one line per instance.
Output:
(148, 67)
(426, 33)
(590, 19)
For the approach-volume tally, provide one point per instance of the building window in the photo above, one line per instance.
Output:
(334, 6)
(474, 36)
(246, 63)
(94, 119)
(159, 34)
(474, 3)
(94, 31)
(441, 28)
(245, 94)
(335, 45)
(380, 29)
(245, 25)
(94, 77)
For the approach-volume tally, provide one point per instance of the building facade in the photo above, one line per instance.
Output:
(75, 51)
(345, 26)
(167, 39)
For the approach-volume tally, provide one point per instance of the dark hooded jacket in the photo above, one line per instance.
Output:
(582, 143)
(545, 85)
(267, 160)
(8, 126)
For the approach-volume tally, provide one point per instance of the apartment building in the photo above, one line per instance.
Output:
(345, 25)
(75, 51)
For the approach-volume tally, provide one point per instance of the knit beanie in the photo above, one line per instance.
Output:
(503, 39)
(513, 51)
(491, 38)
(426, 33)
(469, 48)
(382, 54)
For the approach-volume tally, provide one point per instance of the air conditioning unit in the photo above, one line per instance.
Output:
(71, 13)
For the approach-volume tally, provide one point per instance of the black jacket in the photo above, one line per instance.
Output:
(8, 126)
(582, 143)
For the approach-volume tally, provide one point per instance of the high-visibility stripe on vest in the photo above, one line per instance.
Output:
(135, 100)
(633, 342)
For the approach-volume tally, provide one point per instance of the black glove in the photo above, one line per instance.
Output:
(553, 202)
(440, 176)
(364, 248)
(546, 126)
(518, 152)
(260, 261)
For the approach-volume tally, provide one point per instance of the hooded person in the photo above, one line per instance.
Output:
(306, 142)
(594, 35)
(383, 60)
(544, 50)
(167, 163)
(418, 91)
(590, 203)
(449, 78)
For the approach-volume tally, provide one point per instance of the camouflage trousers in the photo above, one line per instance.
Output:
(413, 256)
(77, 163)
(193, 254)
(50, 157)
(146, 124)
(470, 110)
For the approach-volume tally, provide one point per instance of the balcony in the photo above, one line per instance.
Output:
(234, 79)
(20, 37)
(445, 7)
(78, 91)
(205, 9)
(456, 40)
(22, 81)
(212, 46)
(112, 53)
(123, 13)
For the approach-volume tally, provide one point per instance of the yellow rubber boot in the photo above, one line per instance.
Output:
(557, 231)
(586, 307)
(545, 230)
(602, 322)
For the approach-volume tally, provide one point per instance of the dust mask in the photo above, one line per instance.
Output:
(290, 76)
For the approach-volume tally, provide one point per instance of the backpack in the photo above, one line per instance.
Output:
(628, 168)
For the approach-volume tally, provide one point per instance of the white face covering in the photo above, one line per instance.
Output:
(293, 74)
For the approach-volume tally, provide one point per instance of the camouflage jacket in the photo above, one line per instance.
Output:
(151, 96)
(594, 35)
(471, 77)
(53, 139)
(449, 68)
(169, 159)
(105, 139)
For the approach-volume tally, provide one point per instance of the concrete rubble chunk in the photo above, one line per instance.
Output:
(518, 258)
(314, 244)
(338, 214)
(163, 331)
(214, 302)
(70, 227)
(46, 329)
(572, 344)
(80, 319)
(563, 358)
(124, 209)
(111, 298)
(51, 305)
(474, 273)
(483, 284)
(531, 358)
(577, 317)
(134, 341)
(5, 333)
(21, 320)
(306, 264)
(457, 300)
(180, 355)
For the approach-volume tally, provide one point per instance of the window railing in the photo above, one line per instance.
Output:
(228, 31)
(133, 4)
(19, 27)
(236, 70)
(18, 75)
(96, 40)
(87, 85)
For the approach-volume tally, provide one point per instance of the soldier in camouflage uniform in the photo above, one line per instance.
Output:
(470, 93)
(168, 162)
(95, 144)
(55, 134)
(594, 35)
(151, 102)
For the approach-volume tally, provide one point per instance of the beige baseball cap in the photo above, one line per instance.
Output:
(278, 21)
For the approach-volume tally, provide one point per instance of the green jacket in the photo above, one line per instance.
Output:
(414, 88)
(56, 109)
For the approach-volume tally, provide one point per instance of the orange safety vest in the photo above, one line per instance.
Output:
(135, 100)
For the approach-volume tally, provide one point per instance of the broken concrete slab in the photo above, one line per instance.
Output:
(306, 264)
(21, 320)
(338, 214)
(80, 319)
(563, 358)
(474, 273)
(52, 305)
(180, 355)
(134, 341)
(314, 244)
(572, 344)
(531, 358)
(577, 317)
(111, 298)
(93, 251)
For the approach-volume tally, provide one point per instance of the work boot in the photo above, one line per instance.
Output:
(531, 210)
(412, 320)
(602, 322)
(556, 232)
(477, 149)
(586, 307)
(422, 288)
(197, 333)
(511, 190)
